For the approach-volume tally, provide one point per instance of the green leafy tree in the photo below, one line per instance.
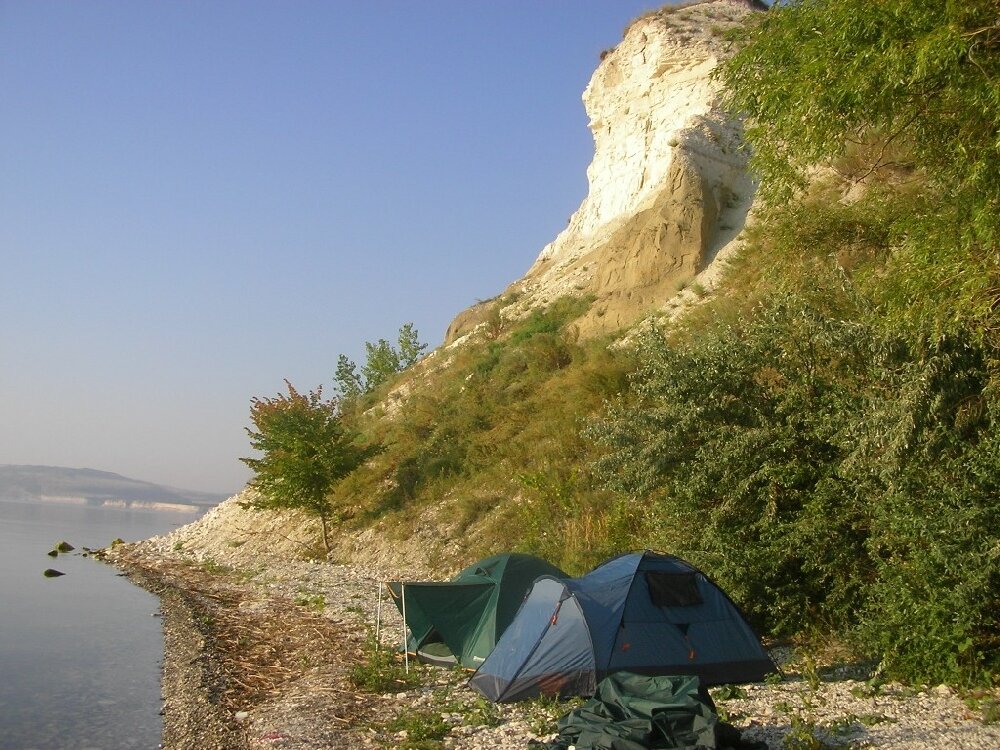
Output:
(305, 451)
(382, 362)
(347, 379)
(737, 429)
(815, 76)
(830, 474)
(410, 347)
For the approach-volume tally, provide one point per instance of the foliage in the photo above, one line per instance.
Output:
(912, 86)
(305, 451)
(826, 471)
(421, 729)
(381, 364)
(410, 347)
(734, 431)
(383, 361)
(500, 422)
(347, 378)
(551, 319)
(816, 75)
(314, 601)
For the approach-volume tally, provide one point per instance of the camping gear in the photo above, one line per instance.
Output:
(642, 612)
(635, 712)
(459, 621)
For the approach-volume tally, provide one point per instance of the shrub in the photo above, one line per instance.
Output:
(828, 473)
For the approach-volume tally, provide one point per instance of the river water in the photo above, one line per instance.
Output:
(80, 654)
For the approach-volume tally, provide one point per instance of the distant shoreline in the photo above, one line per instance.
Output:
(113, 503)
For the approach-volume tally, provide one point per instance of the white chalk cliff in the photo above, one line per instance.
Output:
(668, 186)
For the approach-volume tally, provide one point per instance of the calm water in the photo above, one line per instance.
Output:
(80, 655)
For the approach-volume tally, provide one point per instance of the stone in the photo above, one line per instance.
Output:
(668, 183)
(50, 573)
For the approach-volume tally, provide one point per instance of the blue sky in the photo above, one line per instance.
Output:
(200, 199)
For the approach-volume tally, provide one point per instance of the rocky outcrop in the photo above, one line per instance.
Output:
(668, 186)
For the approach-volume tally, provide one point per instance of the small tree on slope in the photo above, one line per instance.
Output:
(305, 451)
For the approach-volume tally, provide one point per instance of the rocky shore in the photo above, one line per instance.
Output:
(265, 651)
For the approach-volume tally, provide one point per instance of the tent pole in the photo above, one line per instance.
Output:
(378, 617)
(406, 654)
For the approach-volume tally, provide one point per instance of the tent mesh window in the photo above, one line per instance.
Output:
(668, 589)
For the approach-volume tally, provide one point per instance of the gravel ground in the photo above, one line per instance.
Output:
(258, 651)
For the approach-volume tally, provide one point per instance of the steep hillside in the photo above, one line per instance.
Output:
(668, 183)
(485, 440)
(821, 432)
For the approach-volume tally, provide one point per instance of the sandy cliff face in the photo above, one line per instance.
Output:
(667, 186)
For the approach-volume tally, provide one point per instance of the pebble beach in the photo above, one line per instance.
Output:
(259, 651)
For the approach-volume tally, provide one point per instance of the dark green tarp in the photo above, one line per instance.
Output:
(635, 712)
(469, 613)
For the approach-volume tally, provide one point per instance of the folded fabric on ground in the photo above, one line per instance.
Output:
(636, 712)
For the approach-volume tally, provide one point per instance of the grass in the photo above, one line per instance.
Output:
(505, 408)
(313, 601)
(382, 671)
(422, 729)
(984, 703)
(215, 568)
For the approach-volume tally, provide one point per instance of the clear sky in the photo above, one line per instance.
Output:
(199, 199)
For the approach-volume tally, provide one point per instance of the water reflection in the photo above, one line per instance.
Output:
(80, 654)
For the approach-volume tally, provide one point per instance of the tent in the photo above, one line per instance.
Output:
(642, 612)
(459, 621)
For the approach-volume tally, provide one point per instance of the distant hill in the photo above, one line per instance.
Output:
(93, 487)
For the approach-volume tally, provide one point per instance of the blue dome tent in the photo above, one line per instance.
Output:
(642, 612)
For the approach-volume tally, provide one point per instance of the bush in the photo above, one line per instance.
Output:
(828, 473)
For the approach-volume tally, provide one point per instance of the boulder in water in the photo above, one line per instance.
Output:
(50, 573)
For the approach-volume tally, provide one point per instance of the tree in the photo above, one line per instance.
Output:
(383, 361)
(347, 379)
(305, 450)
(410, 347)
(736, 429)
(816, 75)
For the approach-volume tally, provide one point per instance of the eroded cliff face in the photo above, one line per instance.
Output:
(668, 186)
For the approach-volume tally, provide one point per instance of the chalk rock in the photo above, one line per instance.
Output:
(668, 184)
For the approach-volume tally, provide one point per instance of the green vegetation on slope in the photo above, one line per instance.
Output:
(497, 431)
(822, 436)
(904, 90)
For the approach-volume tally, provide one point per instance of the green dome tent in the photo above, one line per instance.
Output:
(460, 621)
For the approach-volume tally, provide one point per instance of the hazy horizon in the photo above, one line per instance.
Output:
(202, 200)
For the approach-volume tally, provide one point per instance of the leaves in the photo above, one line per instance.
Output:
(383, 361)
(305, 452)
(826, 470)
(913, 83)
